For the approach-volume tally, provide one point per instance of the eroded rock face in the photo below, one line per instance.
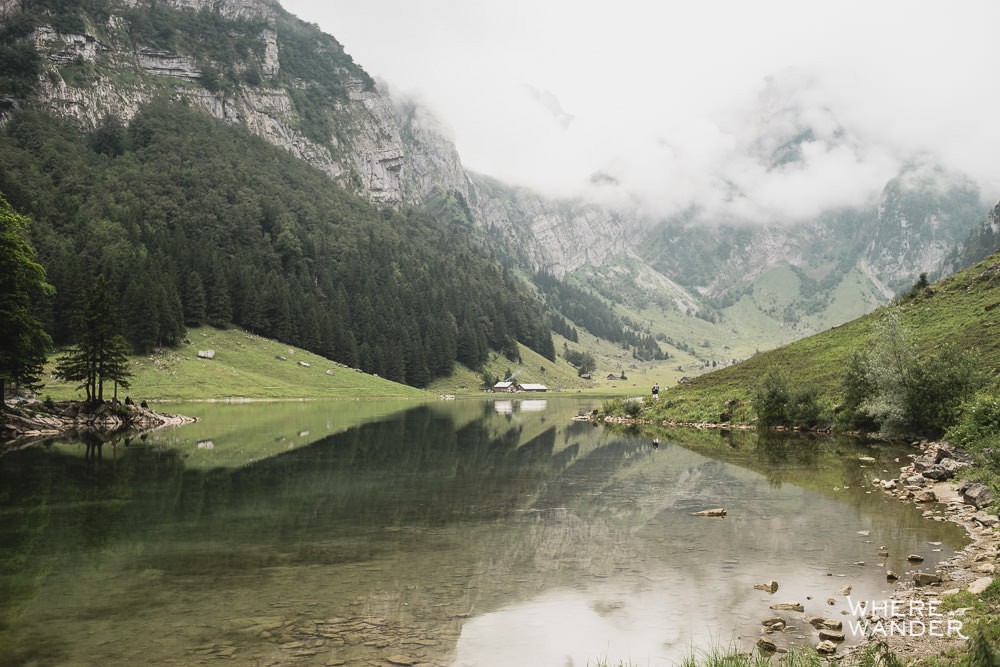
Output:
(367, 159)
(392, 152)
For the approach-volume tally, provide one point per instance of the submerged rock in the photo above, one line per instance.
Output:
(770, 586)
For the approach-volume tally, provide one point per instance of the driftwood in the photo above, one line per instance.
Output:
(721, 511)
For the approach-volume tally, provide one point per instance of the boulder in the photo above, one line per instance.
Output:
(938, 472)
(826, 647)
(787, 606)
(831, 635)
(206, 354)
(821, 623)
(765, 645)
(777, 626)
(978, 495)
(925, 578)
(953, 466)
(979, 585)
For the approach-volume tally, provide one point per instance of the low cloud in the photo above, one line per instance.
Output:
(761, 112)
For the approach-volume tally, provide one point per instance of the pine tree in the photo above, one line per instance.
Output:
(23, 340)
(219, 305)
(101, 353)
(194, 300)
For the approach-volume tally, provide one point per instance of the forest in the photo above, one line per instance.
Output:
(189, 221)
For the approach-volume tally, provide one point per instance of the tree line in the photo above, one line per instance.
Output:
(595, 315)
(188, 221)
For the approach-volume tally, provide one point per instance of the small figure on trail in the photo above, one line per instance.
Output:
(656, 391)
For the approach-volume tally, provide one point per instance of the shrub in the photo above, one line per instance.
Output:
(770, 400)
(978, 426)
(633, 408)
(892, 386)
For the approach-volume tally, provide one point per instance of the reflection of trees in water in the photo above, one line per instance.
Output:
(467, 514)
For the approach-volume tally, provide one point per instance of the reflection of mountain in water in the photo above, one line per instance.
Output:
(426, 519)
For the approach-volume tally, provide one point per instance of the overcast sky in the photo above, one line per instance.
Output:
(676, 104)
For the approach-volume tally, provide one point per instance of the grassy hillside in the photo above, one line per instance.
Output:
(961, 310)
(560, 376)
(244, 366)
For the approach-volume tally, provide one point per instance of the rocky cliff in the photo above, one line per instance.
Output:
(250, 63)
(107, 68)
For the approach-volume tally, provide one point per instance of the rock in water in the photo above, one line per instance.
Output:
(720, 511)
(770, 587)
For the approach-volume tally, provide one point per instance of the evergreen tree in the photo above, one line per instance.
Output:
(194, 300)
(23, 340)
(219, 305)
(101, 353)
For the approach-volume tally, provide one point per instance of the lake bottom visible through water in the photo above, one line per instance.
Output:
(458, 533)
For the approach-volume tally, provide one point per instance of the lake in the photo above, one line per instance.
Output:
(460, 533)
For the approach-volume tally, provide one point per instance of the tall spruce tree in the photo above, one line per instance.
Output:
(23, 341)
(100, 354)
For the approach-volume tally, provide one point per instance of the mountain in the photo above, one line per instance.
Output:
(982, 241)
(958, 312)
(192, 220)
(708, 290)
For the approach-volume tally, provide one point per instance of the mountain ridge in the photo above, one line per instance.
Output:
(296, 87)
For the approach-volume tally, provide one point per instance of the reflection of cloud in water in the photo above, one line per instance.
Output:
(632, 576)
(657, 619)
(564, 627)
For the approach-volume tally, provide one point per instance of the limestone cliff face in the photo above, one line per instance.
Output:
(395, 153)
(391, 151)
(364, 152)
(558, 236)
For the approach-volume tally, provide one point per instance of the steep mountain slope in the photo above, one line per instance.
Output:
(960, 310)
(696, 283)
(981, 242)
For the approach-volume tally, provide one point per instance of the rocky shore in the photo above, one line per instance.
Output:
(931, 480)
(26, 422)
(915, 624)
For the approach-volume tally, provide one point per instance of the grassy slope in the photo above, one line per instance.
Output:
(962, 310)
(245, 366)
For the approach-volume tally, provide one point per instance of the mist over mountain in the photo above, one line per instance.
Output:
(776, 258)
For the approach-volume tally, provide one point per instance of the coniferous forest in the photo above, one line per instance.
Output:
(190, 221)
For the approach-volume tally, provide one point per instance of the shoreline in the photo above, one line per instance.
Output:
(971, 569)
(915, 600)
(28, 422)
